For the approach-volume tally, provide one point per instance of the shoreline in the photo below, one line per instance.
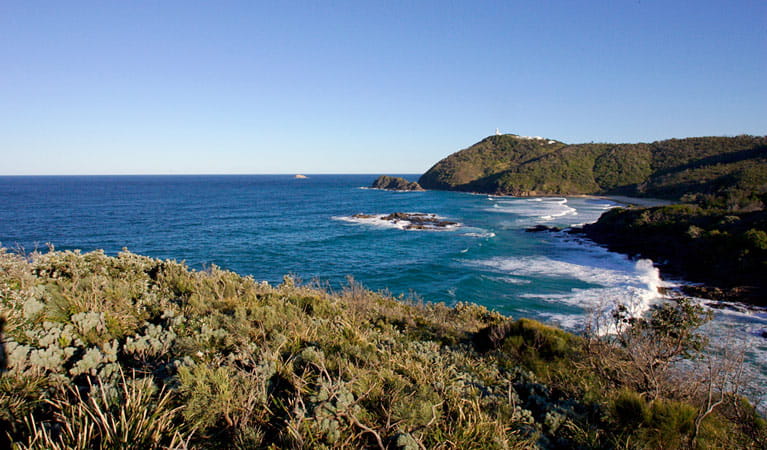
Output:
(740, 295)
(645, 202)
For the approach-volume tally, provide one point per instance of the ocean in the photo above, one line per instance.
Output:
(269, 226)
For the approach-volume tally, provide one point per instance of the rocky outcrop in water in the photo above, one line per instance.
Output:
(539, 228)
(395, 184)
(412, 221)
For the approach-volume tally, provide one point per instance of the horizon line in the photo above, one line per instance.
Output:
(291, 174)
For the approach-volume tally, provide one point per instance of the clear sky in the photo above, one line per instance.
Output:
(127, 87)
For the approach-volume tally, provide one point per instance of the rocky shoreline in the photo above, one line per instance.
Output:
(673, 266)
(725, 268)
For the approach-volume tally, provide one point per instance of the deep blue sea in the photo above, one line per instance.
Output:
(269, 226)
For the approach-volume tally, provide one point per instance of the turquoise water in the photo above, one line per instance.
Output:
(270, 226)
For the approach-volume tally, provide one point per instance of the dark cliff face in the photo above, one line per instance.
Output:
(395, 184)
(672, 169)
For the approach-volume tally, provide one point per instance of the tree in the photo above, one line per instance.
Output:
(654, 344)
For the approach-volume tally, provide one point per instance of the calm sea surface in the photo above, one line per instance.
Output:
(270, 226)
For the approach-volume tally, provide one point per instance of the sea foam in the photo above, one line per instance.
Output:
(635, 286)
(537, 209)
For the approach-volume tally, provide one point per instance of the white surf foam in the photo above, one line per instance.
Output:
(486, 234)
(509, 280)
(512, 280)
(556, 210)
(372, 221)
(737, 311)
(738, 328)
(537, 209)
(635, 286)
(611, 279)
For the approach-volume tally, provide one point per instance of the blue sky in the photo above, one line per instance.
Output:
(110, 87)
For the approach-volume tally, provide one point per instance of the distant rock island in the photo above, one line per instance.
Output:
(715, 234)
(300, 177)
(395, 184)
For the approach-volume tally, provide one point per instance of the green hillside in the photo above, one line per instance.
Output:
(491, 156)
(731, 168)
(132, 352)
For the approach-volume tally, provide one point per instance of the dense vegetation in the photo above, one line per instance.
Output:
(134, 352)
(734, 168)
(483, 160)
(725, 249)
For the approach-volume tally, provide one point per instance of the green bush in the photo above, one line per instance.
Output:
(630, 410)
(531, 341)
(670, 424)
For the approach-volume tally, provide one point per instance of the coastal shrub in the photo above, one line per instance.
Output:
(19, 398)
(670, 423)
(630, 410)
(223, 400)
(215, 360)
(752, 423)
(666, 423)
(535, 345)
(492, 337)
(757, 239)
(131, 415)
(653, 344)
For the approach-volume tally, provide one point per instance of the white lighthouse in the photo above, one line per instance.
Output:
(497, 132)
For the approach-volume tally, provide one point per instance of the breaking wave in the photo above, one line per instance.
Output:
(635, 286)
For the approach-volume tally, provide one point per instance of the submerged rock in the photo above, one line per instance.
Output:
(539, 228)
(395, 184)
